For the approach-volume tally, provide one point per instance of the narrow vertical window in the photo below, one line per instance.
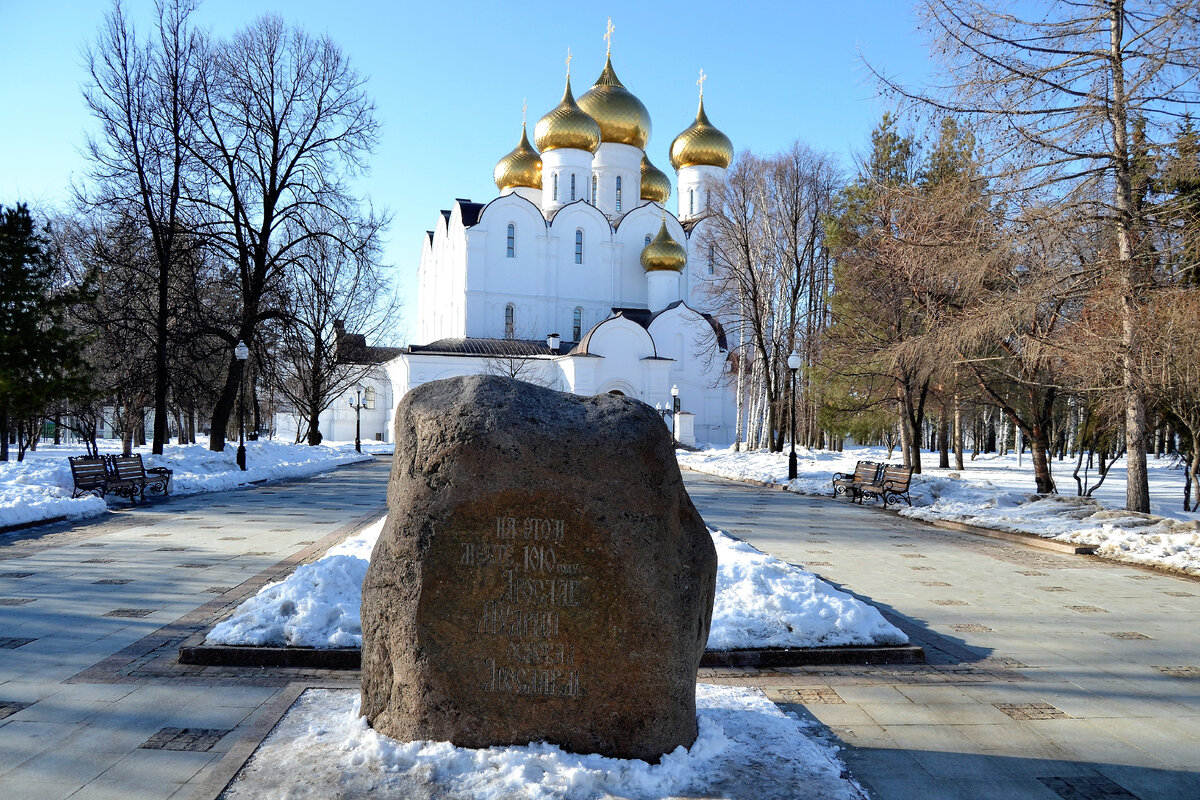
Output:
(618, 194)
(572, 186)
(508, 321)
(647, 240)
(595, 184)
(554, 194)
(691, 201)
(577, 324)
(369, 398)
(512, 241)
(579, 245)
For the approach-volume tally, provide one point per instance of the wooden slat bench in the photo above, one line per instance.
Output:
(845, 483)
(89, 474)
(124, 476)
(131, 476)
(891, 486)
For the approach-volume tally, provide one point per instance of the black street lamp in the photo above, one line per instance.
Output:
(793, 363)
(357, 405)
(241, 352)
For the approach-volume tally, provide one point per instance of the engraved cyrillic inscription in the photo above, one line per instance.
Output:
(528, 651)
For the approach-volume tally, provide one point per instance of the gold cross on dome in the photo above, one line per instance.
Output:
(568, 62)
(524, 106)
(700, 82)
(608, 32)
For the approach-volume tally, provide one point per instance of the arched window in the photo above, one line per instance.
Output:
(508, 321)
(369, 398)
(512, 241)
(595, 184)
(647, 240)
(691, 201)
(572, 186)
(554, 195)
(579, 245)
(618, 194)
(577, 324)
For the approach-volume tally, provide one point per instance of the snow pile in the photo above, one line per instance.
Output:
(760, 602)
(996, 492)
(40, 487)
(318, 605)
(764, 602)
(747, 748)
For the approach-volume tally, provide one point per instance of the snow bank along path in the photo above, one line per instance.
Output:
(994, 492)
(39, 488)
(760, 602)
(747, 749)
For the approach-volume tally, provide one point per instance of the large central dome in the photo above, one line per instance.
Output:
(621, 116)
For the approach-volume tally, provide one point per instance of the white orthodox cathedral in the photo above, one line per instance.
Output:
(575, 277)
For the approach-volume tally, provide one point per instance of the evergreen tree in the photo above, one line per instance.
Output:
(40, 357)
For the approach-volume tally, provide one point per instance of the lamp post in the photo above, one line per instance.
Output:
(793, 363)
(356, 404)
(241, 352)
(674, 411)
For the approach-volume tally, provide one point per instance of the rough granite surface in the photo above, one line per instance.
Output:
(542, 576)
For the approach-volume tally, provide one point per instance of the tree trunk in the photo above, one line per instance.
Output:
(223, 409)
(958, 433)
(161, 436)
(944, 439)
(1041, 462)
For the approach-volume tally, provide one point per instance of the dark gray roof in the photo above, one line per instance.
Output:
(352, 348)
(470, 211)
(474, 346)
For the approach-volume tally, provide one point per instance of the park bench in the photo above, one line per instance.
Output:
(89, 474)
(891, 486)
(846, 483)
(124, 476)
(130, 476)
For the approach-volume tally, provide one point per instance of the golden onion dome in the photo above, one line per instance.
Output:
(663, 253)
(701, 144)
(521, 167)
(656, 185)
(622, 117)
(567, 126)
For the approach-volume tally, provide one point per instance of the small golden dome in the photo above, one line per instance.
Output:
(521, 167)
(622, 117)
(701, 144)
(663, 253)
(656, 185)
(567, 126)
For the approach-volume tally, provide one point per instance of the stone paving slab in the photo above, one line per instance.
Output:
(1027, 692)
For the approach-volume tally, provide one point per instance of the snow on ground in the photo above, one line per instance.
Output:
(761, 602)
(996, 492)
(40, 487)
(747, 749)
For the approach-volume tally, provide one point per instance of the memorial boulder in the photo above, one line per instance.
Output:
(542, 575)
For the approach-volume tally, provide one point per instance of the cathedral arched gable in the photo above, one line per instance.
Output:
(511, 204)
(618, 336)
(568, 217)
(680, 316)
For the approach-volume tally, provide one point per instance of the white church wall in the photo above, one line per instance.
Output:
(697, 368)
(611, 161)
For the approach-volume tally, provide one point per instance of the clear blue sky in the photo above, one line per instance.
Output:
(448, 80)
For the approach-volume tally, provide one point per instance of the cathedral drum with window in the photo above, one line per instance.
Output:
(580, 242)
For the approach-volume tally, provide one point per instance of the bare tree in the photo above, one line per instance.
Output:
(143, 94)
(1061, 99)
(282, 122)
(329, 289)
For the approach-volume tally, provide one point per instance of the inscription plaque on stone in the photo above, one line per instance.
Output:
(542, 576)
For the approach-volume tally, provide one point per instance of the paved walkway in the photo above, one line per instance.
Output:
(1049, 676)
(93, 703)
